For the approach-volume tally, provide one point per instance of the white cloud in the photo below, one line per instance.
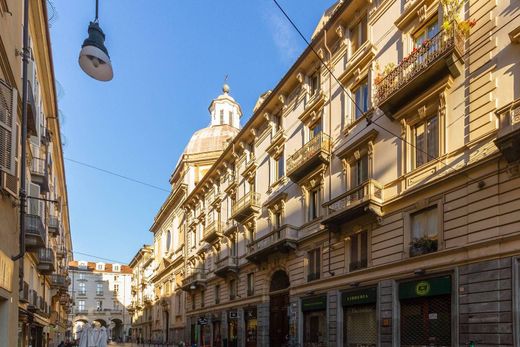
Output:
(284, 36)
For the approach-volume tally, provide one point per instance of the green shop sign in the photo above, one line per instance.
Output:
(314, 304)
(359, 297)
(425, 288)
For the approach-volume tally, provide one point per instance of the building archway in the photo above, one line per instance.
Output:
(278, 305)
(116, 326)
(101, 321)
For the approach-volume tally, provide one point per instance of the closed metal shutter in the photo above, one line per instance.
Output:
(426, 321)
(360, 326)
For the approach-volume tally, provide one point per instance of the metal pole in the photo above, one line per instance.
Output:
(97, 10)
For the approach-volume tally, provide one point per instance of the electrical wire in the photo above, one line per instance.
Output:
(100, 258)
(430, 158)
(116, 174)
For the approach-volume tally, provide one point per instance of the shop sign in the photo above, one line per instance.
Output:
(233, 314)
(359, 297)
(6, 272)
(202, 321)
(425, 288)
(250, 314)
(314, 304)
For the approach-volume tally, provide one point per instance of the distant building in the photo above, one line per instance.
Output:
(101, 292)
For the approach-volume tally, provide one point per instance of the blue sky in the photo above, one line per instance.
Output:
(169, 62)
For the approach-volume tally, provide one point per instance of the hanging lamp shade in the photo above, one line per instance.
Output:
(93, 57)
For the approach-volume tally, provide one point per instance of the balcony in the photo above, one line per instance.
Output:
(230, 228)
(34, 231)
(194, 280)
(212, 230)
(226, 266)
(282, 240)
(358, 265)
(46, 261)
(59, 282)
(33, 300)
(426, 65)
(315, 152)
(508, 137)
(61, 252)
(39, 174)
(54, 226)
(246, 206)
(367, 197)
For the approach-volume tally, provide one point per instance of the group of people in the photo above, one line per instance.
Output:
(93, 335)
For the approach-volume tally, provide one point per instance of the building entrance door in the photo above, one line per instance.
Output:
(278, 319)
(278, 305)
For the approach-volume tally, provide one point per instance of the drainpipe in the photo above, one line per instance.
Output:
(330, 136)
(23, 165)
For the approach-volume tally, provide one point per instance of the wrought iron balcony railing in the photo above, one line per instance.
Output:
(281, 240)
(431, 60)
(35, 235)
(194, 279)
(314, 152)
(39, 173)
(226, 265)
(46, 261)
(508, 137)
(246, 205)
(54, 225)
(58, 281)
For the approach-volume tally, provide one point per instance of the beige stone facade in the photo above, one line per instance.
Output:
(35, 313)
(376, 207)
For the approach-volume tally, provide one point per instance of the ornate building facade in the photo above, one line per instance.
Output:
(34, 298)
(371, 198)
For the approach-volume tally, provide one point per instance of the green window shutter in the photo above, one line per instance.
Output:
(7, 128)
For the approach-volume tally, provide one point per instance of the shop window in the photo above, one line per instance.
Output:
(425, 230)
(358, 34)
(250, 284)
(314, 204)
(358, 251)
(426, 141)
(217, 294)
(314, 267)
(360, 93)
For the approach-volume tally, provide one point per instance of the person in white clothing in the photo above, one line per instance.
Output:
(102, 338)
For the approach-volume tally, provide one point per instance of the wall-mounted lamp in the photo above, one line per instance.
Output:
(419, 272)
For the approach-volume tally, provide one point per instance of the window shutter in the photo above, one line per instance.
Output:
(34, 204)
(7, 128)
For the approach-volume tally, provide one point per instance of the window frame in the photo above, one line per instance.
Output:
(357, 235)
(423, 205)
(361, 86)
(357, 30)
(428, 158)
(314, 264)
(314, 205)
(250, 284)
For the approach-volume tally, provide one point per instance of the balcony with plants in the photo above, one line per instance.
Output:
(246, 206)
(315, 152)
(429, 62)
(282, 240)
(423, 245)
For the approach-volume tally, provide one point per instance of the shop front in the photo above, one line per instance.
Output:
(314, 312)
(217, 330)
(360, 317)
(232, 338)
(204, 332)
(250, 321)
(426, 312)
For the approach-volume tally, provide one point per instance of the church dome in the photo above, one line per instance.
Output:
(211, 139)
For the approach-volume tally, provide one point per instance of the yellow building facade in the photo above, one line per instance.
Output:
(33, 309)
(371, 198)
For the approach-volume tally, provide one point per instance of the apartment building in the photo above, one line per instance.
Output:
(371, 198)
(101, 293)
(34, 298)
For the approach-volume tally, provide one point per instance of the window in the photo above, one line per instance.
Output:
(116, 289)
(361, 99)
(426, 33)
(81, 276)
(82, 264)
(232, 246)
(116, 267)
(358, 34)
(217, 294)
(99, 288)
(425, 230)
(232, 289)
(315, 130)
(99, 305)
(100, 266)
(221, 116)
(168, 242)
(314, 268)
(202, 297)
(82, 289)
(250, 284)
(178, 303)
(359, 171)
(314, 204)
(314, 82)
(230, 115)
(277, 122)
(81, 305)
(277, 220)
(280, 167)
(426, 141)
(358, 251)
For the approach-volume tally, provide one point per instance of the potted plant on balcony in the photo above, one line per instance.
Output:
(423, 245)
(452, 9)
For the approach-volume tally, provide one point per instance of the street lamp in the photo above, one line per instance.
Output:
(93, 57)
